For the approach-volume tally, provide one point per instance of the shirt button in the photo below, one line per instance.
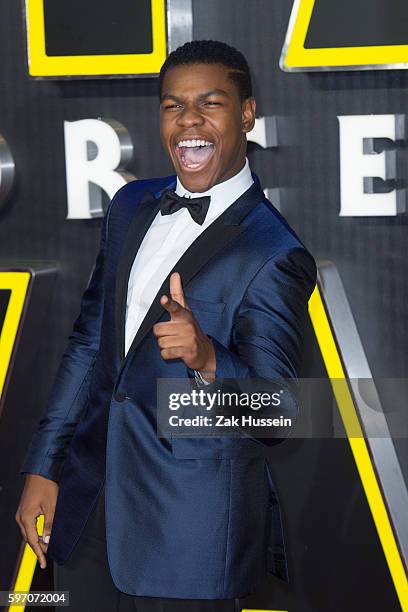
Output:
(120, 397)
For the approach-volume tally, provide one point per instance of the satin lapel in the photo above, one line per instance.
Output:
(140, 223)
(209, 243)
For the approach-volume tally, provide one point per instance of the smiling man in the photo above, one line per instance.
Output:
(198, 276)
(204, 129)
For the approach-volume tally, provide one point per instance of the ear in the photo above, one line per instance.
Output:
(248, 114)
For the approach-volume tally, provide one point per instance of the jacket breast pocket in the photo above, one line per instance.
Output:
(204, 305)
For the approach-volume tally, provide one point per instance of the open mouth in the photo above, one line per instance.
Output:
(194, 154)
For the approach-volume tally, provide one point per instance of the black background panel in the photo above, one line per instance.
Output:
(335, 557)
(98, 27)
(358, 23)
(5, 295)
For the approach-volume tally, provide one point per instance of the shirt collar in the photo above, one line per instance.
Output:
(223, 194)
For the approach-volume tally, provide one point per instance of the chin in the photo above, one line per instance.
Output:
(195, 180)
(196, 184)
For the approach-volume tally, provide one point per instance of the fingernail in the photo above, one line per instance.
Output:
(46, 539)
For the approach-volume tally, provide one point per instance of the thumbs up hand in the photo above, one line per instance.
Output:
(182, 337)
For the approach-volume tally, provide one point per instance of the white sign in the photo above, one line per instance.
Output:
(367, 169)
(96, 152)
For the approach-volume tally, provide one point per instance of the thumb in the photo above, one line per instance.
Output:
(48, 520)
(176, 290)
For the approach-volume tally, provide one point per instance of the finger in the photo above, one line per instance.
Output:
(171, 328)
(177, 352)
(176, 290)
(32, 538)
(48, 520)
(44, 547)
(165, 342)
(171, 305)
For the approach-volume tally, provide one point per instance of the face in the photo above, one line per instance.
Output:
(203, 124)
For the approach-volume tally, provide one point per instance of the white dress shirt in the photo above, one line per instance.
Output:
(167, 238)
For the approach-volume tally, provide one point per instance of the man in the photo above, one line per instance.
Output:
(211, 288)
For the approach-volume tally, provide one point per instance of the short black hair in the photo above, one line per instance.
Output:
(212, 52)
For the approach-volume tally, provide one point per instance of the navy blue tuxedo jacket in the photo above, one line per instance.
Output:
(185, 518)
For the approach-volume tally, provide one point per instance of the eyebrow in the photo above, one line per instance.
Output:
(207, 94)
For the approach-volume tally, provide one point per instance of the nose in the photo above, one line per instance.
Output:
(189, 117)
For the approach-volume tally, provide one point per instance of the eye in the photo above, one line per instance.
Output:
(171, 106)
(211, 103)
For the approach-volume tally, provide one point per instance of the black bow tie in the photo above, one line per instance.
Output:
(170, 202)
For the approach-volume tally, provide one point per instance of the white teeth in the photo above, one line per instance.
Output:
(194, 143)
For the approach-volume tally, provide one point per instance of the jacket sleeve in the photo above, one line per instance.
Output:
(269, 325)
(69, 392)
(268, 331)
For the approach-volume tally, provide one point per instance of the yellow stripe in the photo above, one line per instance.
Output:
(17, 282)
(27, 568)
(358, 445)
(299, 57)
(40, 64)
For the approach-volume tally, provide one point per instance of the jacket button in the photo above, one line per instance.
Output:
(120, 397)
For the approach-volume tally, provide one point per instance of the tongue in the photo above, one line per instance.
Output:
(197, 155)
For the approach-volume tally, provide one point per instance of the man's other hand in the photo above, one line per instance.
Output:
(182, 337)
(39, 496)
